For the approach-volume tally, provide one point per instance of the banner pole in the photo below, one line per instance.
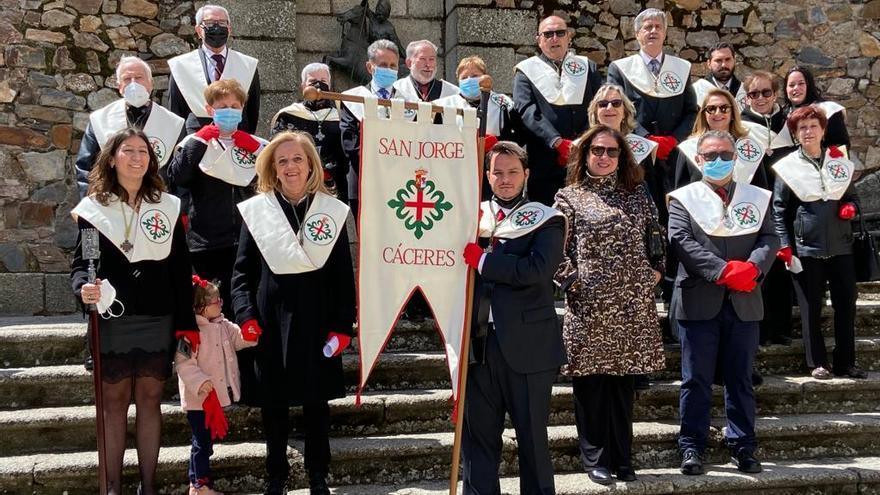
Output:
(464, 357)
(312, 93)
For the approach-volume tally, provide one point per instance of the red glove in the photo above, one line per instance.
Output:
(215, 420)
(562, 152)
(665, 145)
(834, 152)
(847, 211)
(192, 336)
(344, 341)
(251, 331)
(208, 133)
(490, 141)
(739, 276)
(472, 254)
(327, 176)
(184, 219)
(245, 141)
(784, 254)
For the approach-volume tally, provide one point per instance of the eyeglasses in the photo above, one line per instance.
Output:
(559, 33)
(712, 109)
(602, 150)
(714, 155)
(766, 93)
(609, 103)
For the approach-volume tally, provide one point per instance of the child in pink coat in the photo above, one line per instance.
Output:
(209, 379)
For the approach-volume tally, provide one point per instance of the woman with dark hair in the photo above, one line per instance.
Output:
(293, 279)
(611, 329)
(801, 91)
(814, 201)
(143, 290)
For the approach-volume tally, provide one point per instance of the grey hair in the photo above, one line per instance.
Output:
(200, 14)
(629, 110)
(723, 135)
(649, 14)
(415, 45)
(313, 67)
(373, 49)
(133, 60)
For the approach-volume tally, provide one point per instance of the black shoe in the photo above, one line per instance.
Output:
(745, 461)
(318, 484)
(853, 372)
(757, 379)
(641, 382)
(626, 473)
(600, 475)
(275, 487)
(691, 462)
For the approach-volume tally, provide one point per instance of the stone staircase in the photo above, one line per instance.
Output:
(815, 436)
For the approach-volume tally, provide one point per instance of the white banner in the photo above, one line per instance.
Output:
(419, 204)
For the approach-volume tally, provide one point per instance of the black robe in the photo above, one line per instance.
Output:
(836, 133)
(304, 306)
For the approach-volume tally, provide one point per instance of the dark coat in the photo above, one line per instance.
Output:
(517, 276)
(836, 133)
(304, 306)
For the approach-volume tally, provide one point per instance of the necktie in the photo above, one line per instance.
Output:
(498, 218)
(654, 65)
(219, 65)
(722, 193)
(383, 93)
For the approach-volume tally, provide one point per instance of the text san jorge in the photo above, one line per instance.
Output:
(443, 150)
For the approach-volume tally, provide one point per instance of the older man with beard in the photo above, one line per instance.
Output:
(421, 85)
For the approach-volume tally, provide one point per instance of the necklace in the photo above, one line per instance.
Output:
(299, 225)
(319, 136)
(126, 245)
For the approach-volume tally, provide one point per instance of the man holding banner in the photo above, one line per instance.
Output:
(517, 341)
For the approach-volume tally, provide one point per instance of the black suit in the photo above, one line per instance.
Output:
(250, 116)
(517, 360)
(544, 123)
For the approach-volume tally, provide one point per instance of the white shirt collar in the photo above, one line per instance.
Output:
(209, 53)
(647, 58)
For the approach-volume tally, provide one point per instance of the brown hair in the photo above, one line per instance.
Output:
(202, 296)
(267, 178)
(472, 61)
(806, 113)
(761, 74)
(222, 88)
(736, 126)
(629, 173)
(508, 148)
(103, 181)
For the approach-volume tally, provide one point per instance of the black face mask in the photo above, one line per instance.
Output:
(319, 104)
(216, 36)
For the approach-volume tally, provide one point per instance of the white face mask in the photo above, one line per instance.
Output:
(108, 297)
(135, 94)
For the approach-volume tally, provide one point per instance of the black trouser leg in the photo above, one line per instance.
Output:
(317, 445)
(842, 282)
(483, 425)
(621, 398)
(276, 426)
(603, 415)
(809, 286)
(776, 292)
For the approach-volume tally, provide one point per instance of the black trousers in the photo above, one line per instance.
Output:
(494, 388)
(777, 293)
(216, 265)
(276, 428)
(603, 409)
(839, 273)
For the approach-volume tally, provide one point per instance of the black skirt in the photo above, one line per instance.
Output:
(136, 346)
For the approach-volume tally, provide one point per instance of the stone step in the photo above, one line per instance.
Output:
(402, 459)
(70, 385)
(57, 340)
(66, 429)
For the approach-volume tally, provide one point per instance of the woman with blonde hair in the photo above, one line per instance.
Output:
(293, 280)
(611, 107)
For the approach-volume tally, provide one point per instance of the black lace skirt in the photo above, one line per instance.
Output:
(136, 346)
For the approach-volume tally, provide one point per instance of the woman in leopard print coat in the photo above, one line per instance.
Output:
(611, 328)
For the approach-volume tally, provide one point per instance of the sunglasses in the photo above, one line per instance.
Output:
(610, 103)
(559, 33)
(711, 156)
(766, 93)
(602, 150)
(712, 109)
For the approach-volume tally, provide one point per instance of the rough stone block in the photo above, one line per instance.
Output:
(46, 36)
(25, 56)
(315, 7)
(85, 6)
(425, 9)
(44, 166)
(56, 19)
(277, 63)
(168, 45)
(22, 136)
(249, 17)
(8, 33)
(47, 114)
(139, 8)
(61, 99)
(409, 30)
(320, 33)
(21, 293)
(509, 26)
(270, 103)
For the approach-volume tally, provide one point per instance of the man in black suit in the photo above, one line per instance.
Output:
(721, 65)
(517, 341)
(192, 72)
(551, 91)
(723, 235)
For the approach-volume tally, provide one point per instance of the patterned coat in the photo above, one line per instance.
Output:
(611, 324)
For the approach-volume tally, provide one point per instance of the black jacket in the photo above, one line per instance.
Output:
(812, 228)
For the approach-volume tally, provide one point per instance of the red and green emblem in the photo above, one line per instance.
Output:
(158, 148)
(320, 229)
(156, 226)
(243, 158)
(637, 146)
(527, 217)
(670, 81)
(837, 170)
(748, 150)
(574, 67)
(746, 215)
(420, 204)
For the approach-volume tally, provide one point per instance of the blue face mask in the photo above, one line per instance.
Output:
(470, 87)
(384, 77)
(717, 169)
(227, 119)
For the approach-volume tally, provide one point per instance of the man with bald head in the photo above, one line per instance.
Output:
(551, 91)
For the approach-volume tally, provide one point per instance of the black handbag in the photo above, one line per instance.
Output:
(655, 241)
(865, 254)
